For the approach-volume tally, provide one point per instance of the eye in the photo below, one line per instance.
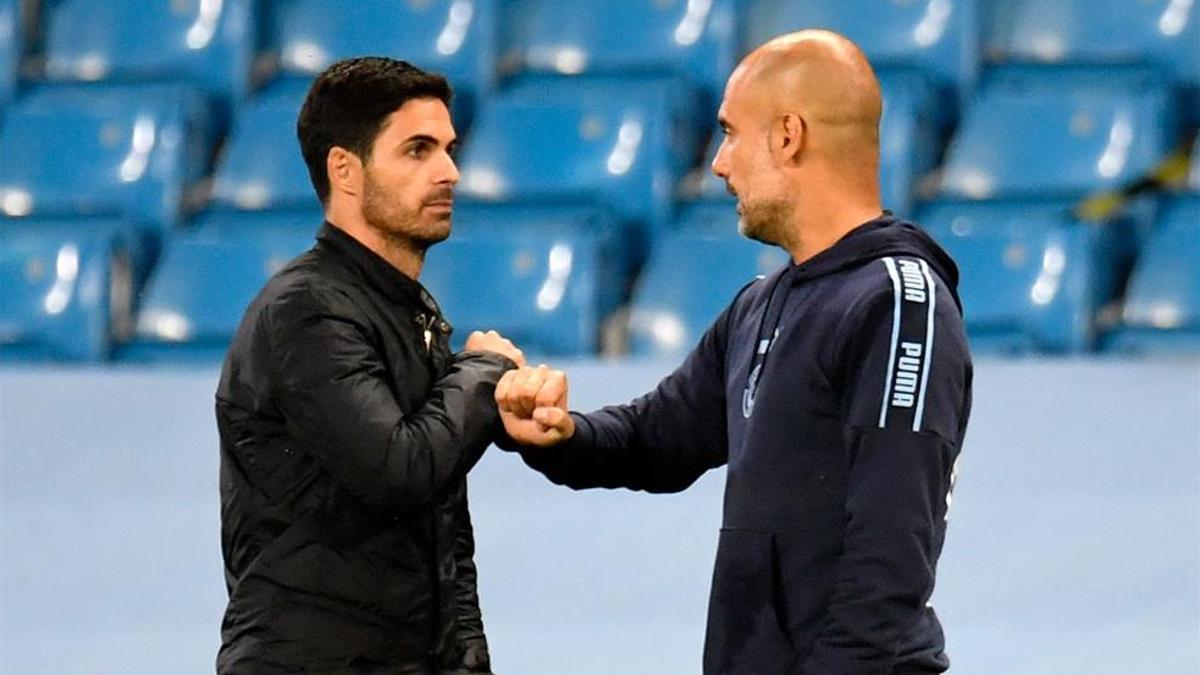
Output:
(418, 150)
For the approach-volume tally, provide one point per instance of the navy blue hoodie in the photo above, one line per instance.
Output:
(837, 391)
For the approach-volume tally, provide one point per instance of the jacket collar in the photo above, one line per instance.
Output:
(388, 280)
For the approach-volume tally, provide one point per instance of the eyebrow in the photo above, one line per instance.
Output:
(420, 138)
(426, 138)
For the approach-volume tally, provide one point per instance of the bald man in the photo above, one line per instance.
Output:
(836, 390)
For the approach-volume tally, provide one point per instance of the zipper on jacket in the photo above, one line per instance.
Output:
(427, 323)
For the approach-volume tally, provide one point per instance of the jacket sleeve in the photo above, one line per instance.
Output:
(661, 442)
(907, 395)
(470, 620)
(334, 393)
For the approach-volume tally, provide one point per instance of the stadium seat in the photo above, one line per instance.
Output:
(63, 286)
(208, 44)
(1030, 141)
(937, 39)
(1164, 34)
(542, 277)
(618, 144)
(694, 273)
(1162, 305)
(261, 167)
(696, 40)
(133, 152)
(11, 44)
(1032, 278)
(908, 146)
(453, 37)
(203, 283)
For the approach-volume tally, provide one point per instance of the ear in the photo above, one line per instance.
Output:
(345, 171)
(789, 133)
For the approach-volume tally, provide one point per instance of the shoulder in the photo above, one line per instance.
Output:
(310, 286)
(898, 296)
(753, 293)
(903, 281)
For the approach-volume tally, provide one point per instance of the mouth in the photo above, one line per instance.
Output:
(440, 205)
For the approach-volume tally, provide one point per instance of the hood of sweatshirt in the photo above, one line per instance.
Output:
(874, 239)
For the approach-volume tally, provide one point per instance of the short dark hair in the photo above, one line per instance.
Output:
(348, 103)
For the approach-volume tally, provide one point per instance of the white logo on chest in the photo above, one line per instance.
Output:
(750, 393)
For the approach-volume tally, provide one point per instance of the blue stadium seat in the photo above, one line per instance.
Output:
(203, 283)
(938, 39)
(611, 143)
(694, 273)
(208, 44)
(1164, 34)
(1033, 279)
(261, 166)
(908, 145)
(453, 37)
(133, 152)
(306, 217)
(542, 277)
(1162, 305)
(11, 44)
(135, 155)
(63, 285)
(1031, 141)
(696, 40)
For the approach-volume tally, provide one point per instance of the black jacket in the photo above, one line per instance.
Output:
(837, 391)
(347, 429)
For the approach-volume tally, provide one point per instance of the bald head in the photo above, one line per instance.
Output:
(824, 79)
(800, 120)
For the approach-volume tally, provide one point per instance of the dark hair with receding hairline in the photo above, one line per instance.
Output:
(348, 103)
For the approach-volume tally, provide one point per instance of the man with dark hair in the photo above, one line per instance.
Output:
(347, 426)
(836, 390)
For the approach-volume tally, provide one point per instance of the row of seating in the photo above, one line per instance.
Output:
(601, 156)
(142, 153)
(222, 46)
(1032, 281)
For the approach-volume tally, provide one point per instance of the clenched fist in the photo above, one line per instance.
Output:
(492, 341)
(533, 406)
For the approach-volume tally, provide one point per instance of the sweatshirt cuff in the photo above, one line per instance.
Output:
(583, 436)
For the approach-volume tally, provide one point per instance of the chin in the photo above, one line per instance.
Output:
(436, 232)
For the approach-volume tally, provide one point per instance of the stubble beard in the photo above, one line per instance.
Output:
(403, 227)
(765, 221)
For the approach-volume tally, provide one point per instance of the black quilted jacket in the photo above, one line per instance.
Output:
(347, 429)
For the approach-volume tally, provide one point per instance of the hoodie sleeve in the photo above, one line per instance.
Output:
(907, 374)
(661, 442)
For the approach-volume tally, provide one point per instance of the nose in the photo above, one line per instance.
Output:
(720, 163)
(447, 173)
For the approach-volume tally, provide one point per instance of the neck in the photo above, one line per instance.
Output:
(398, 252)
(827, 215)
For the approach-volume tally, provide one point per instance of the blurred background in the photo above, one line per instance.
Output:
(150, 183)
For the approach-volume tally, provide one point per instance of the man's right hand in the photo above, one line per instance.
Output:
(533, 406)
(492, 341)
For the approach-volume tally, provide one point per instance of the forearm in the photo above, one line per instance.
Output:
(432, 450)
(611, 448)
